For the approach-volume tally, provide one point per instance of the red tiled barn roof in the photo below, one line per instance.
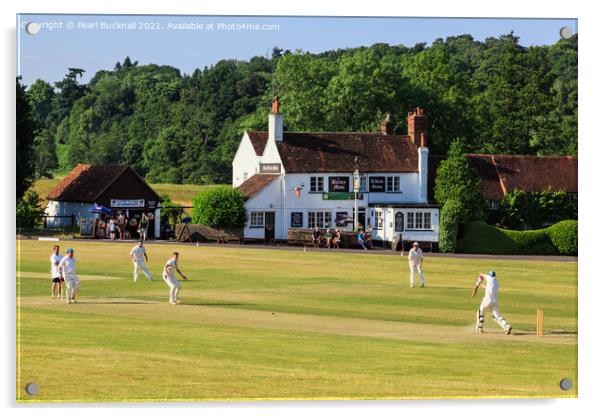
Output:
(85, 183)
(336, 151)
(255, 184)
(500, 174)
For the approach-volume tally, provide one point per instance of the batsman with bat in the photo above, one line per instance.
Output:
(489, 301)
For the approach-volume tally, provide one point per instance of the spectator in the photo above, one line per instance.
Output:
(121, 224)
(316, 235)
(143, 227)
(132, 228)
(337, 238)
(328, 237)
(361, 239)
(112, 227)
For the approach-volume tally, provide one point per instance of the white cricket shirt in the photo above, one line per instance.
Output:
(415, 256)
(491, 287)
(138, 253)
(171, 267)
(68, 266)
(54, 268)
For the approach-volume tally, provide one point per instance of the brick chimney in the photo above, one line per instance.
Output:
(275, 122)
(418, 124)
(386, 126)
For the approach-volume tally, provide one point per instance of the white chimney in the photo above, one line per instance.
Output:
(423, 169)
(275, 127)
(275, 122)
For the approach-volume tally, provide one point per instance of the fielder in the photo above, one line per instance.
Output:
(415, 260)
(55, 273)
(170, 279)
(67, 269)
(138, 254)
(490, 301)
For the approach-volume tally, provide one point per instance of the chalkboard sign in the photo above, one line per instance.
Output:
(342, 219)
(377, 184)
(338, 184)
(86, 227)
(297, 219)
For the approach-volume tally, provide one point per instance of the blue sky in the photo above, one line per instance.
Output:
(151, 39)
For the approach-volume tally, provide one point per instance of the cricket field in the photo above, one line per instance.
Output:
(260, 323)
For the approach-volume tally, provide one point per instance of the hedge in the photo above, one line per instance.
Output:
(564, 236)
(481, 238)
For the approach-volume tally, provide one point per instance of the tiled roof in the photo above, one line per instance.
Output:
(536, 174)
(336, 151)
(255, 184)
(500, 174)
(258, 140)
(85, 183)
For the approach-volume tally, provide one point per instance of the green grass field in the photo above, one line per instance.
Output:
(180, 194)
(280, 324)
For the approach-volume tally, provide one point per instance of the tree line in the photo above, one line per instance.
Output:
(496, 96)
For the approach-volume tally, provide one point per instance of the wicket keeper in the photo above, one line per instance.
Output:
(490, 301)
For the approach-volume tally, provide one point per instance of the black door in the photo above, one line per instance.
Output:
(270, 225)
(398, 222)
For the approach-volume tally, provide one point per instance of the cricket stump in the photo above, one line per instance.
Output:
(539, 325)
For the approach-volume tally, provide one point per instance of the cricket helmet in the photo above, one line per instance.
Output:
(492, 273)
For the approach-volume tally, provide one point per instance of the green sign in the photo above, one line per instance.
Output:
(338, 196)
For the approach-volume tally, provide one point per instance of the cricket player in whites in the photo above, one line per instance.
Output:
(169, 276)
(415, 259)
(138, 254)
(490, 301)
(67, 269)
(57, 277)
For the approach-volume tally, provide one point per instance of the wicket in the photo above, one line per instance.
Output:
(540, 322)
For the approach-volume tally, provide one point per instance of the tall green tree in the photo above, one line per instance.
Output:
(457, 181)
(26, 128)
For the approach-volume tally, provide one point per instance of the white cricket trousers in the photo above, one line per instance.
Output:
(488, 303)
(174, 287)
(141, 265)
(419, 269)
(72, 288)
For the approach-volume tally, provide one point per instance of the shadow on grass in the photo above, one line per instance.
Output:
(117, 302)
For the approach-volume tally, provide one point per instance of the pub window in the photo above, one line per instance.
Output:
(494, 204)
(380, 219)
(316, 184)
(257, 219)
(392, 183)
(320, 219)
(427, 221)
(410, 221)
(245, 176)
(418, 224)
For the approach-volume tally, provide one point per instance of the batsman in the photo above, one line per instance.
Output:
(489, 301)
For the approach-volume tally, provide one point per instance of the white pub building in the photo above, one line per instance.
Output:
(294, 180)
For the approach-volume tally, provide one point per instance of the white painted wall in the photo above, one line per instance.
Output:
(269, 199)
(245, 161)
(388, 231)
(79, 209)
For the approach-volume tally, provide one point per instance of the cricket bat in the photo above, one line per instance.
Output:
(474, 291)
